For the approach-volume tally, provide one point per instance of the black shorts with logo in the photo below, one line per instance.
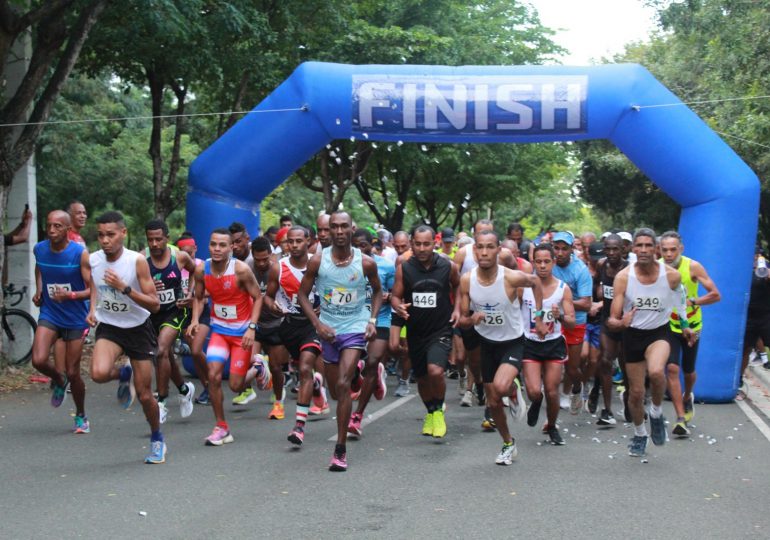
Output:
(496, 353)
(138, 343)
(297, 334)
(434, 350)
(552, 350)
(176, 319)
(268, 337)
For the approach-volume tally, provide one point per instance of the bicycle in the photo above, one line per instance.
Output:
(18, 328)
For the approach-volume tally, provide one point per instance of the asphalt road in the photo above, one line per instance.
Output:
(399, 484)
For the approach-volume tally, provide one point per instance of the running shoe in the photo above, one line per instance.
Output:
(297, 435)
(576, 403)
(354, 426)
(357, 381)
(439, 424)
(157, 453)
(658, 430)
(203, 398)
(318, 411)
(219, 436)
(517, 406)
(564, 402)
(427, 425)
(481, 399)
(277, 412)
(319, 390)
(245, 397)
(638, 446)
(467, 400)
(392, 368)
(81, 425)
(507, 454)
(488, 424)
(59, 393)
(380, 388)
(162, 412)
(755, 359)
(617, 377)
(555, 436)
(186, 401)
(452, 373)
(339, 462)
(606, 418)
(403, 388)
(593, 399)
(126, 390)
(264, 379)
(689, 408)
(680, 429)
(534, 412)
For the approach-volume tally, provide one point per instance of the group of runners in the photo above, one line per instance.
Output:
(332, 305)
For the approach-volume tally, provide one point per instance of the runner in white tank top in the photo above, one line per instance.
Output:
(645, 292)
(545, 355)
(122, 297)
(491, 291)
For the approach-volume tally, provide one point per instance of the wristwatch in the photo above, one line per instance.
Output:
(252, 326)
(127, 290)
(372, 321)
(540, 313)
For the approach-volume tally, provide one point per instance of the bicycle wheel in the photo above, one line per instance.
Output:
(18, 332)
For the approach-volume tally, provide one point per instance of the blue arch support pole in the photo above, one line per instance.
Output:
(321, 102)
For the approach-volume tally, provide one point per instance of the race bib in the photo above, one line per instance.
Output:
(342, 297)
(66, 287)
(225, 312)
(648, 303)
(186, 285)
(608, 292)
(166, 296)
(494, 318)
(425, 300)
(114, 306)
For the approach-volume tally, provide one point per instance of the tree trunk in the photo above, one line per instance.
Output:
(157, 84)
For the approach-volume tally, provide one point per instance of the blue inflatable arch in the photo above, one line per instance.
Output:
(321, 102)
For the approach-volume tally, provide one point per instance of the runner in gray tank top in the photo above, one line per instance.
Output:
(490, 292)
(645, 292)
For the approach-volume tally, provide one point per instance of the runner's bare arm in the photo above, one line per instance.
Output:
(699, 274)
(517, 278)
(466, 319)
(454, 281)
(397, 295)
(568, 310)
(272, 290)
(370, 271)
(248, 283)
(147, 296)
(618, 321)
(198, 300)
(85, 273)
(303, 296)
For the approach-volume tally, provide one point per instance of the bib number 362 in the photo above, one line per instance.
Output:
(425, 300)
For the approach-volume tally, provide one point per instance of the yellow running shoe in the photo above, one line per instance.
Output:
(427, 426)
(439, 425)
(277, 412)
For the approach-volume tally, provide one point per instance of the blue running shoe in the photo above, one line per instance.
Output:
(638, 446)
(203, 398)
(658, 430)
(81, 425)
(59, 392)
(126, 390)
(157, 453)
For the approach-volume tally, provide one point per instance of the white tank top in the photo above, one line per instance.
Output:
(469, 262)
(551, 323)
(113, 307)
(653, 302)
(502, 320)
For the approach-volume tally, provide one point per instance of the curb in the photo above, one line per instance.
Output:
(761, 375)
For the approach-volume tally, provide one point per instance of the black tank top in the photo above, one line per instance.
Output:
(428, 292)
(607, 283)
(267, 318)
(171, 278)
(596, 319)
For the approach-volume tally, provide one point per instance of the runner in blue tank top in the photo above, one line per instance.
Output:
(62, 271)
(340, 273)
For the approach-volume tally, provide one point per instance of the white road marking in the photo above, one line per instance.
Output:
(381, 412)
(755, 419)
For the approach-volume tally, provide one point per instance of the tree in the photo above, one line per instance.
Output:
(57, 31)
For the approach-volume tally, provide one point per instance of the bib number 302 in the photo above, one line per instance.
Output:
(425, 300)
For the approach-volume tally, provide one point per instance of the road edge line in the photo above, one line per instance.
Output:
(763, 428)
(379, 413)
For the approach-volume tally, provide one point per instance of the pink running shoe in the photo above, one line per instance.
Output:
(263, 380)
(339, 463)
(358, 379)
(380, 389)
(318, 411)
(354, 426)
(297, 435)
(219, 437)
(319, 391)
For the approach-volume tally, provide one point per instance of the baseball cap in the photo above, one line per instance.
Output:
(447, 235)
(281, 234)
(626, 236)
(563, 236)
(596, 250)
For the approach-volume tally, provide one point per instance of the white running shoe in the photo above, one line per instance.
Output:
(467, 400)
(517, 407)
(186, 400)
(576, 403)
(507, 454)
(462, 385)
(564, 401)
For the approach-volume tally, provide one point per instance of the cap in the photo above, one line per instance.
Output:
(626, 236)
(605, 234)
(596, 250)
(447, 235)
(281, 234)
(563, 236)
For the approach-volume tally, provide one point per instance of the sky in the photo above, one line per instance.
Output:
(591, 29)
